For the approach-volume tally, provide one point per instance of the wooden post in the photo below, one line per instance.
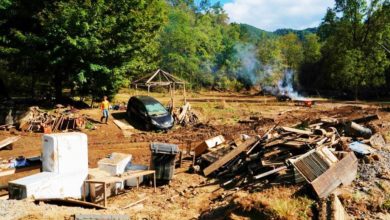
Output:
(148, 89)
(170, 90)
(154, 180)
(173, 97)
(136, 89)
(84, 191)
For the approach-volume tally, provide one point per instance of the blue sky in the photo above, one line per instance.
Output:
(274, 14)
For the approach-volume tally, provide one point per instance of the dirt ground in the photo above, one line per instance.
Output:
(191, 196)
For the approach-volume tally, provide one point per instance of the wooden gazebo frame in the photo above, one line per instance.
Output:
(161, 78)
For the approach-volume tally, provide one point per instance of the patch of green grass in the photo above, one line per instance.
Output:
(386, 205)
(277, 203)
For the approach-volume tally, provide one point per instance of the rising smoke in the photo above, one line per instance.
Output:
(249, 68)
(252, 72)
(285, 85)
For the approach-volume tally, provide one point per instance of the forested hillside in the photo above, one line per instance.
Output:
(96, 47)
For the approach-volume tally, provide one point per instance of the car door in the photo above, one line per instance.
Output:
(137, 109)
(142, 111)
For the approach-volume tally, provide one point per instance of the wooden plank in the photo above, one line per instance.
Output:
(135, 203)
(343, 172)
(125, 176)
(18, 170)
(123, 124)
(74, 202)
(208, 144)
(229, 156)
(269, 172)
(8, 141)
(298, 131)
(294, 144)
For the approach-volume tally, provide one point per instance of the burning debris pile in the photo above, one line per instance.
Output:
(284, 89)
(321, 154)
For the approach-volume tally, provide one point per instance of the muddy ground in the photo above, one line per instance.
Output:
(191, 196)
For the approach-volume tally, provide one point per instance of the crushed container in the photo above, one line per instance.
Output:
(163, 160)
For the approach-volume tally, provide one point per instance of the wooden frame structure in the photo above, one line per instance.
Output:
(116, 179)
(161, 78)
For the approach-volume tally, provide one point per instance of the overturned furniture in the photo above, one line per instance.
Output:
(64, 169)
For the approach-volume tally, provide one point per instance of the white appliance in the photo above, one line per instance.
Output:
(64, 165)
(47, 185)
(115, 164)
(65, 153)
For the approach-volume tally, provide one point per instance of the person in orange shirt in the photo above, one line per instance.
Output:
(105, 105)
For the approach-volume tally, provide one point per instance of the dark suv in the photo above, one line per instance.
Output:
(150, 112)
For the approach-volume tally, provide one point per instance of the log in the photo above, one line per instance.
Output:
(366, 119)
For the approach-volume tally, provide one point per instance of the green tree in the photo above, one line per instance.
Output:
(311, 55)
(292, 50)
(90, 46)
(192, 42)
(352, 57)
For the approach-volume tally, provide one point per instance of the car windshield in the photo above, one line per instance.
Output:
(155, 108)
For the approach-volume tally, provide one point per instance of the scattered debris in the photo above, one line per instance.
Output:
(36, 120)
(360, 148)
(315, 154)
(184, 116)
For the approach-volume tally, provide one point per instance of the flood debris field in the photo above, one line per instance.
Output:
(227, 192)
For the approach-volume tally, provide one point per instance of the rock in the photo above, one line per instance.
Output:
(376, 157)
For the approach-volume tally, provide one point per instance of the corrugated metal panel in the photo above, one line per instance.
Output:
(312, 164)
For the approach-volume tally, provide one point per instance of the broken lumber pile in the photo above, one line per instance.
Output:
(319, 153)
(36, 120)
(185, 116)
